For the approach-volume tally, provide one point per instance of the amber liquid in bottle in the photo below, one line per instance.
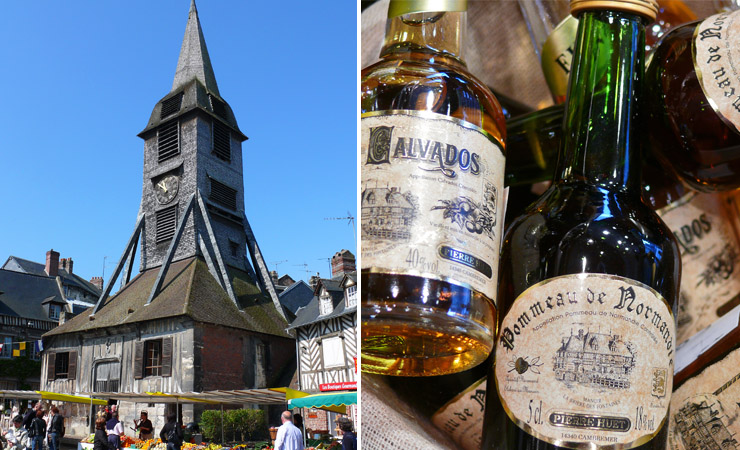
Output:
(590, 223)
(688, 135)
(415, 325)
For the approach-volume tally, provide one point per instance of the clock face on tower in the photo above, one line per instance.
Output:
(165, 190)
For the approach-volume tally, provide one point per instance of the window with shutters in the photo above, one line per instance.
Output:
(221, 141)
(107, 376)
(168, 141)
(62, 365)
(153, 358)
(222, 194)
(166, 223)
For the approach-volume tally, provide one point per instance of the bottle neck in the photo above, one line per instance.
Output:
(427, 36)
(600, 145)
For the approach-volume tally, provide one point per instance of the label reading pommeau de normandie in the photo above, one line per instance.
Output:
(462, 417)
(709, 253)
(717, 64)
(705, 413)
(557, 56)
(431, 202)
(587, 358)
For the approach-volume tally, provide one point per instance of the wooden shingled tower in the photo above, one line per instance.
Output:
(202, 313)
(193, 191)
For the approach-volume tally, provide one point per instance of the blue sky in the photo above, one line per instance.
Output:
(80, 79)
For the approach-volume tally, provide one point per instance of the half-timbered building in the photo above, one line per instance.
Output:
(202, 314)
(326, 333)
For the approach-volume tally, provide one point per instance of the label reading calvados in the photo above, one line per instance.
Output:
(587, 358)
(431, 203)
(704, 411)
(462, 417)
(717, 64)
(709, 253)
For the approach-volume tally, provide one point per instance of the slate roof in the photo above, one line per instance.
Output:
(310, 313)
(35, 268)
(296, 296)
(189, 290)
(22, 294)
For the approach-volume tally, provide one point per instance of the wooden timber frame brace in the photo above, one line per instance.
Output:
(211, 253)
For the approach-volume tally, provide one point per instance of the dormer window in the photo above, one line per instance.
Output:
(55, 311)
(325, 303)
(352, 296)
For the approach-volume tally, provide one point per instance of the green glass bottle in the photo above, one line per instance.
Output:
(589, 274)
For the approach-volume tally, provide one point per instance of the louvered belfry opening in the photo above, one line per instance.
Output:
(166, 222)
(219, 107)
(171, 105)
(168, 140)
(222, 194)
(221, 141)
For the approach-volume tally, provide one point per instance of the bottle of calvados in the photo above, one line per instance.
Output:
(589, 274)
(432, 168)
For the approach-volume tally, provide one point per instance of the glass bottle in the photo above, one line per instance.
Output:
(453, 403)
(553, 32)
(432, 159)
(589, 274)
(710, 250)
(694, 95)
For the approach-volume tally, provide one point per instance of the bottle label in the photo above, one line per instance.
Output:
(431, 202)
(462, 417)
(717, 64)
(704, 410)
(587, 358)
(710, 282)
(557, 55)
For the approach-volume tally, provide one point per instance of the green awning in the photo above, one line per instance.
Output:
(329, 400)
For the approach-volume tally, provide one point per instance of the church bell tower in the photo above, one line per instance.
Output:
(192, 201)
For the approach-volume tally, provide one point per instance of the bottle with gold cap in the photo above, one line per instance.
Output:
(589, 275)
(432, 168)
(553, 32)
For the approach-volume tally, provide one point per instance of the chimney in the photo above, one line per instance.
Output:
(63, 263)
(97, 282)
(314, 280)
(274, 276)
(342, 262)
(52, 263)
(69, 265)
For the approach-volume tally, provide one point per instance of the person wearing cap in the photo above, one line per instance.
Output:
(144, 427)
(349, 440)
(16, 436)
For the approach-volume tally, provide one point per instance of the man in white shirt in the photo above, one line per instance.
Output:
(289, 437)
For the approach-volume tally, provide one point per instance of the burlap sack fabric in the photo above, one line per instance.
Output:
(499, 52)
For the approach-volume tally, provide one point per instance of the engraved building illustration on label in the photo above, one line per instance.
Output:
(387, 213)
(701, 424)
(596, 360)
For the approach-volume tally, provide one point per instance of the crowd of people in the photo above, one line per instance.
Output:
(38, 428)
(34, 430)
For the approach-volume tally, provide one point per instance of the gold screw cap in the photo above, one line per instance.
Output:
(401, 7)
(645, 8)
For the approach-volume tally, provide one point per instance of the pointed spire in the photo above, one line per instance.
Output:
(194, 61)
